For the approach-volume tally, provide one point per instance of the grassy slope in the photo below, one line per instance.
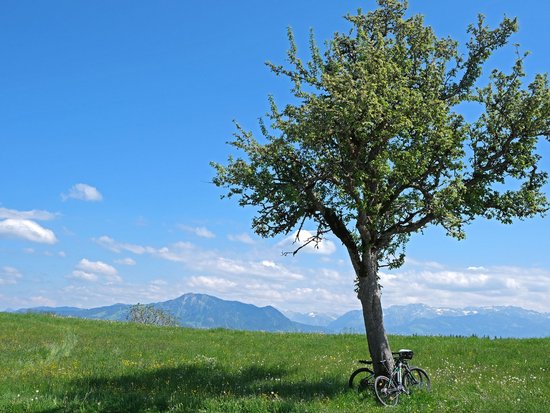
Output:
(49, 364)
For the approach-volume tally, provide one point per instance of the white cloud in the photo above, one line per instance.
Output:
(39, 300)
(9, 275)
(305, 283)
(512, 283)
(230, 266)
(184, 252)
(8, 302)
(264, 269)
(109, 243)
(97, 267)
(126, 261)
(83, 275)
(468, 286)
(83, 192)
(263, 293)
(244, 238)
(202, 232)
(456, 279)
(95, 294)
(297, 240)
(212, 283)
(411, 262)
(202, 260)
(112, 245)
(94, 270)
(27, 230)
(34, 214)
(11, 271)
(302, 298)
(321, 296)
(330, 275)
(473, 268)
(157, 286)
(212, 263)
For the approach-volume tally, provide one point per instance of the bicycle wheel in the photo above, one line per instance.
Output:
(416, 379)
(361, 379)
(386, 391)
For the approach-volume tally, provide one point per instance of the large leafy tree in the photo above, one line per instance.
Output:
(375, 147)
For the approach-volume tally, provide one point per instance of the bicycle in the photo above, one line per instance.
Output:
(402, 379)
(362, 378)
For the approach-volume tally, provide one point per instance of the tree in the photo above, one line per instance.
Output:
(376, 149)
(148, 314)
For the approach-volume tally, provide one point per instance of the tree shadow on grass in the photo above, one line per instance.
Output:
(190, 388)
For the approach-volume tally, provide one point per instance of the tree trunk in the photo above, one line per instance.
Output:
(369, 294)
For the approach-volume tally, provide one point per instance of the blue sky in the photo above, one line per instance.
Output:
(111, 113)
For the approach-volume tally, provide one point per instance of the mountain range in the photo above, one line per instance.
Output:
(205, 311)
(421, 319)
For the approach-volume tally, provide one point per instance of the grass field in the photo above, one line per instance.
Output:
(50, 364)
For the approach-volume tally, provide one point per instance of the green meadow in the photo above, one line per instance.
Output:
(50, 364)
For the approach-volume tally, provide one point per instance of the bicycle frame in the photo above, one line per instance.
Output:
(396, 376)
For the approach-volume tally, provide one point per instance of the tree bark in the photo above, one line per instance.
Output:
(369, 293)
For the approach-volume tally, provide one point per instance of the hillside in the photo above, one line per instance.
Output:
(198, 311)
(52, 364)
(205, 311)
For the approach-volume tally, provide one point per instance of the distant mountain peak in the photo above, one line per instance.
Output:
(206, 311)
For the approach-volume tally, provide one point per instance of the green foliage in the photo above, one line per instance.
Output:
(375, 146)
(52, 364)
(148, 314)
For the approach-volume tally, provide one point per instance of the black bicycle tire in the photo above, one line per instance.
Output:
(370, 378)
(381, 383)
(424, 380)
